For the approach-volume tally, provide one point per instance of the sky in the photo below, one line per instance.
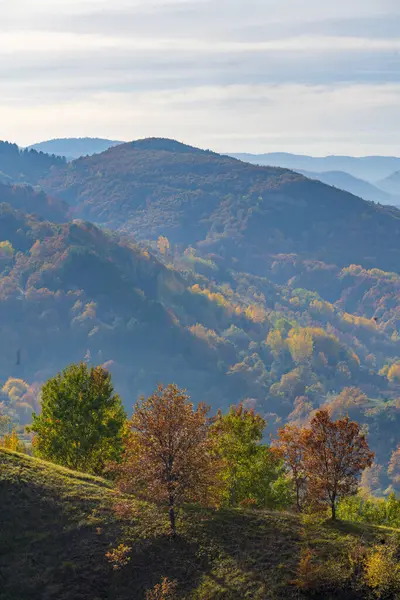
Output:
(306, 76)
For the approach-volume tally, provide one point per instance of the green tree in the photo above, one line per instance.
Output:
(82, 421)
(252, 470)
(5, 422)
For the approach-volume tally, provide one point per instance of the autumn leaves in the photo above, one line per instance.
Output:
(325, 459)
(171, 452)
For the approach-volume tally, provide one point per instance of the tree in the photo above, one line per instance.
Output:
(301, 345)
(335, 454)
(349, 400)
(168, 455)
(251, 470)
(5, 421)
(12, 442)
(6, 250)
(15, 388)
(163, 244)
(275, 342)
(394, 467)
(394, 373)
(82, 420)
(289, 445)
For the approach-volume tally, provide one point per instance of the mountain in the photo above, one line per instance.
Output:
(24, 166)
(391, 185)
(35, 202)
(241, 211)
(71, 291)
(248, 284)
(73, 148)
(354, 185)
(370, 168)
(58, 525)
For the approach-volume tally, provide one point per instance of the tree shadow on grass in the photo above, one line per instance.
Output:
(53, 550)
(257, 552)
(360, 530)
(177, 559)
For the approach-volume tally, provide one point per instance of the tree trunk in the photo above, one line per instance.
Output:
(298, 497)
(333, 508)
(172, 516)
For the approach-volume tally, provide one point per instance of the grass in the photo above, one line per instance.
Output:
(57, 526)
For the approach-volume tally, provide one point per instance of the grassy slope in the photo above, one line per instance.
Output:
(56, 527)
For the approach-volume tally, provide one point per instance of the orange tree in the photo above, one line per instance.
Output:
(290, 447)
(169, 456)
(335, 454)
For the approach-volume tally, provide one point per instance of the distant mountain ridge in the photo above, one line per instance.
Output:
(369, 168)
(194, 197)
(73, 148)
(354, 185)
(391, 184)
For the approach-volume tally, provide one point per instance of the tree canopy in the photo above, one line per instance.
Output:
(168, 454)
(81, 423)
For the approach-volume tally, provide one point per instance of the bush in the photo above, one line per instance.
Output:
(321, 577)
(382, 571)
(12, 442)
(377, 511)
(119, 557)
(162, 591)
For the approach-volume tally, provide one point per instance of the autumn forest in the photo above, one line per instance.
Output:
(205, 340)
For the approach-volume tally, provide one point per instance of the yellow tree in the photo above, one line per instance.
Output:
(300, 344)
(394, 373)
(275, 342)
(169, 455)
(15, 388)
(163, 245)
(6, 251)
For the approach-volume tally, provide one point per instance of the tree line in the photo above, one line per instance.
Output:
(171, 452)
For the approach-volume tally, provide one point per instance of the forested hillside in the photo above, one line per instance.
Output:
(72, 291)
(25, 166)
(240, 211)
(303, 335)
(30, 201)
(249, 283)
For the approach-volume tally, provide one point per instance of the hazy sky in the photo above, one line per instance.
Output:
(306, 76)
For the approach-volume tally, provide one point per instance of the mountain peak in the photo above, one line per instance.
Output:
(165, 145)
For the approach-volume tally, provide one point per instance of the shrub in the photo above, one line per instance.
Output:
(382, 571)
(248, 503)
(162, 591)
(12, 442)
(119, 557)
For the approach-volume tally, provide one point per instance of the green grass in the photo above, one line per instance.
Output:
(57, 525)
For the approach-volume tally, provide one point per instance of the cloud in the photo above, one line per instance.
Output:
(43, 42)
(233, 74)
(291, 117)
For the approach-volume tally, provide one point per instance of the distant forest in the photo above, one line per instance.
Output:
(237, 282)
